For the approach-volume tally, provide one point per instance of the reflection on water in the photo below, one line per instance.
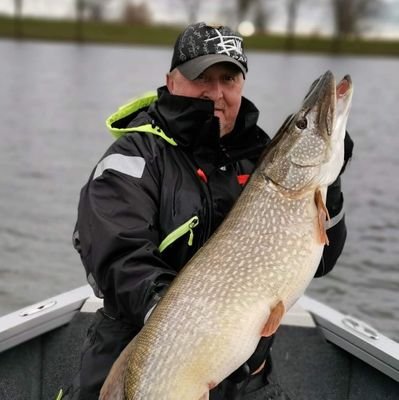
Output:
(54, 100)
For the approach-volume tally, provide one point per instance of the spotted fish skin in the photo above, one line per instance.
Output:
(265, 252)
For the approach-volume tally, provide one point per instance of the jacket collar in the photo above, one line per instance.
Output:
(188, 120)
(191, 123)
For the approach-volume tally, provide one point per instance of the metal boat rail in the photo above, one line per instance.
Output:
(347, 332)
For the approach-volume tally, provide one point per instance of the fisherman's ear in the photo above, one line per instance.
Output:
(170, 82)
(348, 149)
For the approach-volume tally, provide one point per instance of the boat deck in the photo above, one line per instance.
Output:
(305, 364)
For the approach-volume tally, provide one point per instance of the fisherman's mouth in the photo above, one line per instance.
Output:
(218, 113)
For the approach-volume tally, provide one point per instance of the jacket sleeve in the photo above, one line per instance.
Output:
(118, 232)
(336, 230)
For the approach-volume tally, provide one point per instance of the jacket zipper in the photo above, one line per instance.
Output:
(179, 232)
(205, 189)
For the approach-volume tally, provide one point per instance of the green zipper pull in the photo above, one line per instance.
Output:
(191, 238)
(192, 225)
(182, 230)
(60, 394)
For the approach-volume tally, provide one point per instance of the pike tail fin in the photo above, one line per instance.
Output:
(114, 385)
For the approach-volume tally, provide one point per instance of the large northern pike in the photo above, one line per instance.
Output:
(238, 286)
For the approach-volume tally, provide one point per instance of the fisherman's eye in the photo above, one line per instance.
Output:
(229, 78)
(200, 78)
(302, 123)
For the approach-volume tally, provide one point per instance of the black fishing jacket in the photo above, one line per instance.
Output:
(160, 191)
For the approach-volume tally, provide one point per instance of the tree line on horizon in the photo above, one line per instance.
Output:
(348, 16)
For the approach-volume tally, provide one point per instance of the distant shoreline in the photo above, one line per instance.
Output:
(118, 33)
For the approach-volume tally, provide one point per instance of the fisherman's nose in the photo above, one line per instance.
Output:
(213, 90)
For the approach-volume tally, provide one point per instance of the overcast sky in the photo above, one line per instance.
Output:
(314, 15)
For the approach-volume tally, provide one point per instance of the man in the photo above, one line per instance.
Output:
(162, 188)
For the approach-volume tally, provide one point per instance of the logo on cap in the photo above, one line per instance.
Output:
(230, 45)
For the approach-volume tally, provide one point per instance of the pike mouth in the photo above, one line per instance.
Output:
(343, 87)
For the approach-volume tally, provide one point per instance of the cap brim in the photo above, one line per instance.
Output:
(193, 68)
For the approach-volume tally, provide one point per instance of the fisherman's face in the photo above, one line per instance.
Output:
(222, 83)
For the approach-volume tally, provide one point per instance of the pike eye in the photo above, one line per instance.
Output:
(302, 124)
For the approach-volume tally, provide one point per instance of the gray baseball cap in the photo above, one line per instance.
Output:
(199, 46)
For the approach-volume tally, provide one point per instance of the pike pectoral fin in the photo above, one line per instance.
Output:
(323, 215)
(274, 320)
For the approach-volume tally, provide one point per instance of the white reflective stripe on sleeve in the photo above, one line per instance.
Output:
(128, 165)
(334, 220)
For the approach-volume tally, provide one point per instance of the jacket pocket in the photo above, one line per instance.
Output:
(187, 227)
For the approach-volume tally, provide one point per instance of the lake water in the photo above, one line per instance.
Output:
(54, 99)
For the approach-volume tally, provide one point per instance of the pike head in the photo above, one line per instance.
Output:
(308, 150)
